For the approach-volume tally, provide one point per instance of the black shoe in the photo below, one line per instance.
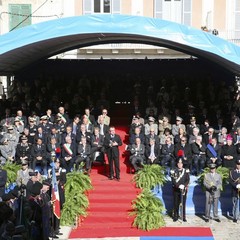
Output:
(52, 235)
(59, 233)
(207, 220)
(235, 220)
(118, 179)
(175, 219)
(110, 178)
(184, 220)
(217, 220)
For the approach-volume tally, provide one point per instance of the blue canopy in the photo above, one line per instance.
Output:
(23, 47)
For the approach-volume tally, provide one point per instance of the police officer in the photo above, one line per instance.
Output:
(180, 180)
(234, 177)
(3, 180)
(61, 180)
(46, 209)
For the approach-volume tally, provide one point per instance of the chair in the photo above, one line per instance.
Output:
(99, 159)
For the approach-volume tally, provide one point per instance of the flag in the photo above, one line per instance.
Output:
(55, 193)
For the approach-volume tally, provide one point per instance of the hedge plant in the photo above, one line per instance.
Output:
(11, 169)
(76, 202)
(148, 211)
(147, 208)
(150, 176)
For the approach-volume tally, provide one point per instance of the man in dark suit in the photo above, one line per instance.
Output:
(183, 149)
(137, 151)
(137, 134)
(209, 135)
(111, 142)
(68, 154)
(83, 154)
(90, 117)
(75, 125)
(167, 154)
(199, 155)
(213, 153)
(52, 147)
(68, 133)
(54, 134)
(39, 155)
(89, 126)
(83, 133)
(150, 136)
(41, 134)
(97, 142)
(152, 152)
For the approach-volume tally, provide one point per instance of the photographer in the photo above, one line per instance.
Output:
(213, 183)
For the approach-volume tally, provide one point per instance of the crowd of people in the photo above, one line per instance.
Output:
(169, 127)
(27, 210)
(199, 144)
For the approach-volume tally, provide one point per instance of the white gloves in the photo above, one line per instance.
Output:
(181, 186)
(238, 186)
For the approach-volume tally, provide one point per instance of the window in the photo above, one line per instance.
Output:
(101, 6)
(18, 16)
(179, 11)
(237, 19)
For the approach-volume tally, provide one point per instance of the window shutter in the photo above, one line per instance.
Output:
(87, 7)
(158, 9)
(26, 11)
(187, 12)
(116, 6)
(19, 13)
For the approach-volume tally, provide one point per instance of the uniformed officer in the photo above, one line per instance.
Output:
(213, 184)
(35, 211)
(7, 151)
(23, 151)
(61, 180)
(235, 183)
(46, 209)
(3, 180)
(180, 180)
(23, 174)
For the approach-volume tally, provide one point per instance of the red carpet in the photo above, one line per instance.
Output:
(110, 202)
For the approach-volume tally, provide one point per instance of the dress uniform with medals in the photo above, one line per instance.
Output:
(3, 180)
(234, 177)
(61, 179)
(180, 180)
(23, 151)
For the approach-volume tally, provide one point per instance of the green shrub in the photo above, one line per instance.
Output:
(76, 202)
(11, 169)
(149, 176)
(148, 211)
